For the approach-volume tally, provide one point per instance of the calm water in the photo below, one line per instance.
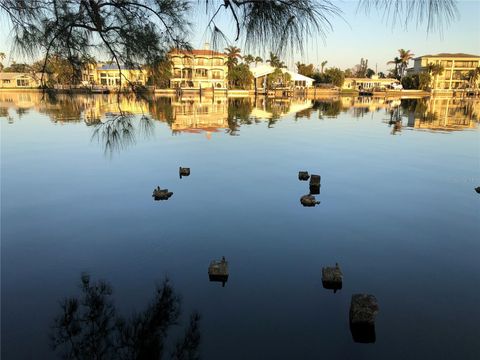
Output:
(398, 212)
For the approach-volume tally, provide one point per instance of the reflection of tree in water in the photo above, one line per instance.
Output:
(306, 113)
(117, 132)
(395, 119)
(62, 108)
(470, 110)
(88, 327)
(417, 108)
(20, 112)
(238, 113)
(161, 109)
(5, 114)
(329, 109)
(277, 109)
(358, 112)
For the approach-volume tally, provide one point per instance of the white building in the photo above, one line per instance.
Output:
(297, 80)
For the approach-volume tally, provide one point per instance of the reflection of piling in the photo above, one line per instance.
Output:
(314, 189)
(315, 180)
(315, 184)
(363, 309)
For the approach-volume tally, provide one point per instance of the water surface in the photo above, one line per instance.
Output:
(398, 212)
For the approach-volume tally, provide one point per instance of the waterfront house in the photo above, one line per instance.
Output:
(456, 70)
(108, 75)
(297, 81)
(370, 83)
(198, 69)
(13, 80)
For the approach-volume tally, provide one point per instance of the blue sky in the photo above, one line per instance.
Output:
(358, 35)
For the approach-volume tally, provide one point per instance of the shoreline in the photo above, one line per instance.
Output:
(313, 93)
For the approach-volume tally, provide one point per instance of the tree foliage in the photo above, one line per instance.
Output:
(160, 73)
(419, 81)
(275, 61)
(275, 24)
(18, 67)
(304, 69)
(360, 70)
(240, 77)
(2, 57)
(233, 54)
(130, 32)
(278, 78)
(248, 59)
(335, 76)
(437, 14)
(90, 328)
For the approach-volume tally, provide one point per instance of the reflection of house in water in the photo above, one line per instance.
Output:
(368, 103)
(208, 114)
(444, 114)
(193, 115)
(63, 108)
(96, 107)
(19, 100)
(273, 109)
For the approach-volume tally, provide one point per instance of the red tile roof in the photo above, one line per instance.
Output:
(197, 52)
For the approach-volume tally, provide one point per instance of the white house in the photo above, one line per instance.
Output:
(19, 80)
(297, 80)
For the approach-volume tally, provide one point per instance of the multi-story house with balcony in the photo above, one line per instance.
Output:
(198, 69)
(456, 70)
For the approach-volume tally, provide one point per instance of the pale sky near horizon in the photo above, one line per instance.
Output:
(355, 36)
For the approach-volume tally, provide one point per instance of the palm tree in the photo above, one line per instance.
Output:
(257, 60)
(274, 61)
(435, 70)
(248, 59)
(233, 54)
(405, 56)
(2, 57)
(396, 61)
(473, 76)
(299, 66)
(323, 63)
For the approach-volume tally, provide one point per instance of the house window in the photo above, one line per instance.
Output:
(216, 74)
(22, 82)
(201, 73)
(6, 81)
